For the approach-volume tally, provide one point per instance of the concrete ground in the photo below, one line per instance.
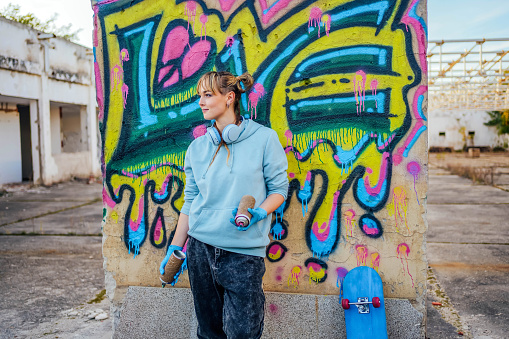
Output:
(468, 252)
(51, 274)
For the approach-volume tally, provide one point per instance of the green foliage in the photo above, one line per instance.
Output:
(13, 12)
(499, 119)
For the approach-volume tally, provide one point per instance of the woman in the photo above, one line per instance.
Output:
(236, 157)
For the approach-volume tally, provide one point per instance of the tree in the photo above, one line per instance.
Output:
(13, 12)
(499, 119)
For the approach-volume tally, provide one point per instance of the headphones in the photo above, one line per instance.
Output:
(230, 133)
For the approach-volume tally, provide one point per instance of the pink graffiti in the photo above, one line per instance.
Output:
(362, 254)
(349, 222)
(226, 5)
(373, 85)
(291, 175)
(124, 56)
(199, 130)
(190, 11)
(359, 87)
(414, 169)
(402, 252)
(173, 79)
(195, 58)
(418, 119)
(275, 8)
(326, 19)
(341, 272)
(420, 34)
(289, 137)
(164, 186)
(99, 90)
(398, 157)
(383, 171)
(125, 92)
(256, 93)
(96, 25)
(203, 20)
(315, 16)
(175, 43)
(134, 224)
(322, 232)
(117, 76)
(158, 232)
(107, 200)
(369, 230)
(229, 41)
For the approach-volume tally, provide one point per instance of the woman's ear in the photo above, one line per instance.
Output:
(230, 99)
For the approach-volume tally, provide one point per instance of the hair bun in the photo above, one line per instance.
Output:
(247, 80)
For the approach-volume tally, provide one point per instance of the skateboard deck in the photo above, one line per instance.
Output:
(363, 303)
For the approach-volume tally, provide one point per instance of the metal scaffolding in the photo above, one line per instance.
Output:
(475, 78)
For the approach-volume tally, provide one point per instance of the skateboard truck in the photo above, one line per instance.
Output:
(362, 304)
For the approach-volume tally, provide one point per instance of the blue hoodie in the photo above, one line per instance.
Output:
(257, 166)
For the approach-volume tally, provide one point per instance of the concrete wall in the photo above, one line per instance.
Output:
(344, 85)
(35, 72)
(10, 147)
(457, 124)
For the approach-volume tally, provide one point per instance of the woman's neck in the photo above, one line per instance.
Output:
(225, 120)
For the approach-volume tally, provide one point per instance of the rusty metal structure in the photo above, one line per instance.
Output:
(468, 74)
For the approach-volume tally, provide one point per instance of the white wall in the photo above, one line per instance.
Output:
(457, 125)
(56, 146)
(10, 148)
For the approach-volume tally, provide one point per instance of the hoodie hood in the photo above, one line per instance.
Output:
(249, 128)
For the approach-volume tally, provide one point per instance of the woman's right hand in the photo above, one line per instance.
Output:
(171, 248)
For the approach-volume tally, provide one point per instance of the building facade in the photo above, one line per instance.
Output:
(48, 119)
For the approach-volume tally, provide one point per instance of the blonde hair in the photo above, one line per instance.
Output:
(224, 83)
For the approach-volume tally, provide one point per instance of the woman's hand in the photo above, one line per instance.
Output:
(257, 214)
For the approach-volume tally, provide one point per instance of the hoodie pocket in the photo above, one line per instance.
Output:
(213, 226)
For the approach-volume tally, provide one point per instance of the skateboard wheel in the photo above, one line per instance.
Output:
(376, 302)
(345, 303)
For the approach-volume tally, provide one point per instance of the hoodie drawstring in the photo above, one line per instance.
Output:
(210, 163)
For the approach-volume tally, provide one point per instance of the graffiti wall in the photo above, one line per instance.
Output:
(343, 83)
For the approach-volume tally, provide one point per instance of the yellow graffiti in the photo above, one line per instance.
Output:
(316, 276)
(375, 261)
(398, 207)
(293, 279)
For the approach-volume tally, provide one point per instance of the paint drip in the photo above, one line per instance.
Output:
(359, 88)
(414, 169)
(190, 11)
(203, 20)
(293, 279)
(315, 16)
(402, 252)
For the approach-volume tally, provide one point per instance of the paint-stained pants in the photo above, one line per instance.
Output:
(227, 291)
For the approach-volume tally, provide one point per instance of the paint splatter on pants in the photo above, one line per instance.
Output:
(227, 291)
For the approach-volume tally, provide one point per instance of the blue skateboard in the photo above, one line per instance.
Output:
(363, 302)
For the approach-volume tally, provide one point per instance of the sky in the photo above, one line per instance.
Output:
(447, 19)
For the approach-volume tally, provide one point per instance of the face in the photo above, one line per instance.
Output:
(213, 105)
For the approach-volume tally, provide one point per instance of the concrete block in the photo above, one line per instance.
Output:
(150, 312)
(474, 152)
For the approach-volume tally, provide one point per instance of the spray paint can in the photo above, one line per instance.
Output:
(243, 217)
(172, 267)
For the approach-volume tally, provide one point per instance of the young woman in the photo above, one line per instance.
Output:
(236, 157)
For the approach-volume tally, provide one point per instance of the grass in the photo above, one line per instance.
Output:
(98, 298)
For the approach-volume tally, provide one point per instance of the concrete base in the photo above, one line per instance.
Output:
(150, 312)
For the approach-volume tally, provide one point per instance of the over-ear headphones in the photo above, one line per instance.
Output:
(230, 133)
